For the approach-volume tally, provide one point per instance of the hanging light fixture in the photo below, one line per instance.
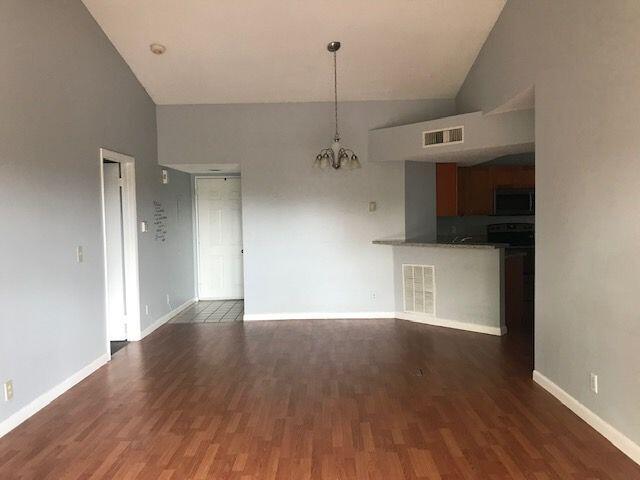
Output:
(336, 156)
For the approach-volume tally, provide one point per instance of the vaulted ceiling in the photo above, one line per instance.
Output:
(254, 51)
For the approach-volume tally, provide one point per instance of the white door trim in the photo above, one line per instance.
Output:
(130, 234)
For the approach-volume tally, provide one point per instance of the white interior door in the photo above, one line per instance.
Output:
(116, 300)
(219, 219)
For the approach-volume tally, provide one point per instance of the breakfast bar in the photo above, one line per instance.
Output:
(455, 285)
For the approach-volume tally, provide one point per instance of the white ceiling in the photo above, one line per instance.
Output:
(254, 51)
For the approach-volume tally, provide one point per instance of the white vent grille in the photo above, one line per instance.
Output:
(419, 289)
(447, 136)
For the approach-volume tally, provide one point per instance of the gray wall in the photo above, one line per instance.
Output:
(485, 137)
(64, 93)
(468, 283)
(582, 56)
(166, 268)
(420, 201)
(307, 233)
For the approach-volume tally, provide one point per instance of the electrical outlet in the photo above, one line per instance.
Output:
(143, 226)
(8, 390)
(79, 254)
(373, 206)
(146, 309)
(593, 383)
(373, 295)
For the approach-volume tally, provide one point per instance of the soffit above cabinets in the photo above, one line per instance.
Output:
(466, 139)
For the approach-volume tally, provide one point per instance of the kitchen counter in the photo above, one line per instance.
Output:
(467, 245)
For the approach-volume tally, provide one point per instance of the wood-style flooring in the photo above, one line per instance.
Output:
(321, 399)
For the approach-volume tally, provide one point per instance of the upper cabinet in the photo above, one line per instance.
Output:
(446, 189)
(476, 191)
(470, 190)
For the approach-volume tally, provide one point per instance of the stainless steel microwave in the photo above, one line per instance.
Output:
(514, 201)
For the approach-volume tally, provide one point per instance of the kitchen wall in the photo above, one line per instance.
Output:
(474, 225)
(468, 285)
(307, 233)
(581, 56)
(420, 201)
(64, 93)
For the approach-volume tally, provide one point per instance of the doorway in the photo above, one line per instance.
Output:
(219, 238)
(120, 240)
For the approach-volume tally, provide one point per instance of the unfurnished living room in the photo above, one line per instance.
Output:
(321, 239)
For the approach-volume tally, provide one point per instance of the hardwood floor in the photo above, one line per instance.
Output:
(361, 399)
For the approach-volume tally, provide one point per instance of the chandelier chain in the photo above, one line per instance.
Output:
(336, 156)
(335, 91)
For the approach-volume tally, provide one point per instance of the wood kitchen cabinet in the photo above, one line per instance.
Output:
(447, 189)
(470, 190)
(513, 177)
(525, 177)
(476, 191)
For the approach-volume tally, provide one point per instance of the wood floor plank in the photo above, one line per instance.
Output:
(334, 399)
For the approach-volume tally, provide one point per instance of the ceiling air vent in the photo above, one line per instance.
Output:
(419, 289)
(447, 136)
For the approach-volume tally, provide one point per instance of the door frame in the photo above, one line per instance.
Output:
(130, 247)
(196, 232)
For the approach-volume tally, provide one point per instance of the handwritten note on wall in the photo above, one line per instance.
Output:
(159, 222)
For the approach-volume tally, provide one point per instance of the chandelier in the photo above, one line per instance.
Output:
(336, 156)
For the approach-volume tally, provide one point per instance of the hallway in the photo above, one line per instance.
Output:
(352, 399)
(214, 311)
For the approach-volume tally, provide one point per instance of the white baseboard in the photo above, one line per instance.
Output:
(46, 398)
(471, 327)
(317, 316)
(165, 318)
(217, 299)
(443, 322)
(616, 437)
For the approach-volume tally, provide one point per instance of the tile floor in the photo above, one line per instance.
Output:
(214, 311)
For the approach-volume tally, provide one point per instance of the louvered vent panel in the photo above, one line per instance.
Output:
(443, 137)
(409, 281)
(455, 135)
(433, 138)
(419, 288)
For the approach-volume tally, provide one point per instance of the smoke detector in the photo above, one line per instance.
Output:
(157, 48)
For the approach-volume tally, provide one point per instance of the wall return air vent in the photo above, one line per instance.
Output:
(447, 136)
(419, 287)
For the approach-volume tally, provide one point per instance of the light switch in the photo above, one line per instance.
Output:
(143, 226)
(8, 390)
(79, 254)
(165, 176)
(372, 207)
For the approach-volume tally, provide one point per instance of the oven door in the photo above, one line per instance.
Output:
(514, 201)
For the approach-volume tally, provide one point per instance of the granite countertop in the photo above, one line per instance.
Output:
(409, 243)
